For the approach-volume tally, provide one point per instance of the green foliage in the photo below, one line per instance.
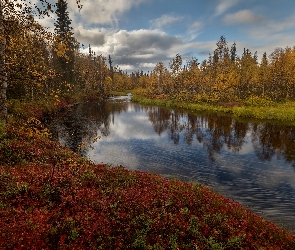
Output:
(284, 112)
(259, 101)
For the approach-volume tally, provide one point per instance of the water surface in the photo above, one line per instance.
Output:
(252, 163)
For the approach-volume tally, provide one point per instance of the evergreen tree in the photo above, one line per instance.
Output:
(65, 42)
(233, 52)
(111, 67)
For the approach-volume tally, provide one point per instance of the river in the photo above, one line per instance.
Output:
(247, 161)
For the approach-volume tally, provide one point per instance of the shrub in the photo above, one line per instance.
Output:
(259, 101)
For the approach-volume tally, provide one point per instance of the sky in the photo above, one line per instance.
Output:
(137, 34)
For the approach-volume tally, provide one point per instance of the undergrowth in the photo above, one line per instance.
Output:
(51, 198)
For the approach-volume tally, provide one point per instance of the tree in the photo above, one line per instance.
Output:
(248, 75)
(111, 67)
(176, 67)
(233, 52)
(65, 42)
(3, 74)
(14, 12)
(263, 72)
(23, 12)
(29, 71)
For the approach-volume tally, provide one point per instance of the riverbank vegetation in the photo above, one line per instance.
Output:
(53, 199)
(225, 82)
(277, 112)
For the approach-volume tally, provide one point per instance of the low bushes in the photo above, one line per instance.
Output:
(50, 198)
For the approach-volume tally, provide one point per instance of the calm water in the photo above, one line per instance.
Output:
(252, 163)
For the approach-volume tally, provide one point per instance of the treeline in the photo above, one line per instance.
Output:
(223, 77)
(39, 64)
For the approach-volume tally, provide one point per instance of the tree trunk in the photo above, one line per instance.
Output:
(3, 74)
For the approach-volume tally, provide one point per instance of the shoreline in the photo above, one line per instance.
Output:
(283, 113)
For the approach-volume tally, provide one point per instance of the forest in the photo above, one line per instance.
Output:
(223, 77)
(40, 65)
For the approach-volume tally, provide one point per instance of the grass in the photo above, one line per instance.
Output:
(50, 198)
(282, 112)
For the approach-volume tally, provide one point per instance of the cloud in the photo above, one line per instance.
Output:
(131, 50)
(148, 65)
(241, 17)
(196, 25)
(93, 36)
(273, 33)
(104, 11)
(287, 23)
(194, 29)
(224, 5)
(165, 20)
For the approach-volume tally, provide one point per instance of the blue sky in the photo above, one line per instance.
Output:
(139, 33)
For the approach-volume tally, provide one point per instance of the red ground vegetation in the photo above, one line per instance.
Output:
(50, 198)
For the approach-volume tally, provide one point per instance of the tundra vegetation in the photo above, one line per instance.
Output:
(51, 198)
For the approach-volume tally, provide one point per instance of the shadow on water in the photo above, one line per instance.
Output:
(252, 163)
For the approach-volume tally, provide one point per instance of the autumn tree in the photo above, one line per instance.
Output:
(21, 14)
(92, 73)
(159, 83)
(176, 67)
(225, 74)
(248, 67)
(29, 70)
(192, 83)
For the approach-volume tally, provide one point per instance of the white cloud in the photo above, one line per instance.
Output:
(127, 67)
(104, 11)
(165, 20)
(194, 29)
(197, 25)
(224, 5)
(148, 65)
(241, 17)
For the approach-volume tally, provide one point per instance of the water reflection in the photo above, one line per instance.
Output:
(252, 163)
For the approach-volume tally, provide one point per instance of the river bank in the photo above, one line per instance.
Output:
(52, 198)
(275, 112)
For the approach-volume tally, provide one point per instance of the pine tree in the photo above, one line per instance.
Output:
(65, 42)
(233, 52)
(111, 67)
